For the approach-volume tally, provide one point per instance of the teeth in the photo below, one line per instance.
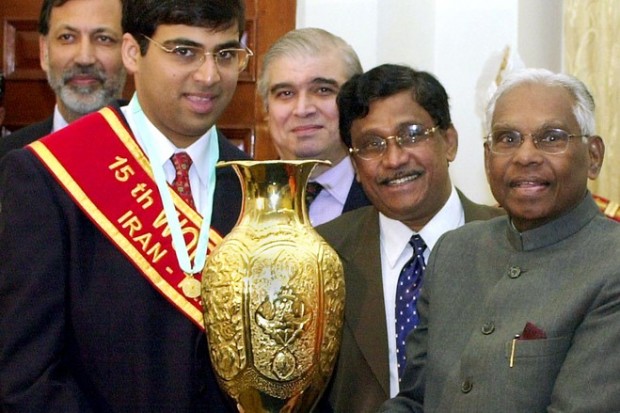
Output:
(199, 98)
(528, 183)
(403, 179)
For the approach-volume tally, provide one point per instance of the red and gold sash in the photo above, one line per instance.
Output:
(100, 165)
(609, 208)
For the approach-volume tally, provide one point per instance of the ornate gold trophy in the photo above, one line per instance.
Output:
(273, 295)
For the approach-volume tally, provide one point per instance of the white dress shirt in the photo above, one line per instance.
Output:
(58, 121)
(396, 251)
(197, 151)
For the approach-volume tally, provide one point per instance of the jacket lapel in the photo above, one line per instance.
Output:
(476, 212)
(356, 197)
(365, 308)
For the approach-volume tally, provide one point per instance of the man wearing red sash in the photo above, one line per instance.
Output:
(100, 259)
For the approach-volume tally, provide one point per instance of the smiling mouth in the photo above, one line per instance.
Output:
(526, 184)
(79, 82)
(402, 179)
(201, 103)
(200, 97)
(82, 78)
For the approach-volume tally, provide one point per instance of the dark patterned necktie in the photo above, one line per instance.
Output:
(180, 184)
(312, 190)
(407, 292)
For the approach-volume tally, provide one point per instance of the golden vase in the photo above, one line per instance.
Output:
(273, 295)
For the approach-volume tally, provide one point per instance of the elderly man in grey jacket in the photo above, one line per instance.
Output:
(522, 313)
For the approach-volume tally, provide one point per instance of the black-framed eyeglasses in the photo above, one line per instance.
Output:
(192, 57)
(371, 147)
(554, 141)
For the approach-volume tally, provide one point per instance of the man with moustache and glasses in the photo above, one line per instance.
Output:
(80, 51)
(396, 123)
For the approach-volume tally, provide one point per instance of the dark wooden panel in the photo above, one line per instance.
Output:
(21, 49)
(241, 136)
(249, 39)
(27, 101)
(275, 18)
(269, 19)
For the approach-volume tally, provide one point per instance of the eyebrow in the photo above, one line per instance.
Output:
(315, 81)
(544, 126)
(96, 30)
(182, 41)
(398, 128)
(321, 80)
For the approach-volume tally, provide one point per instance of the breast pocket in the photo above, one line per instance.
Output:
(535, 366)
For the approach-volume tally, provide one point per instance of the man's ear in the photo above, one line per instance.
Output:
(451, 139)
(43, 58)
(596, 153)
(130, 51)
(487, 153)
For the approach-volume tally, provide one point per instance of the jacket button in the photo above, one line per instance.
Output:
(514, 272)
(466, 386)
(488, 328)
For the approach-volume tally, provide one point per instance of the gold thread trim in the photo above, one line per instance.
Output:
(129, 142)
(612, 209)
(80, 196)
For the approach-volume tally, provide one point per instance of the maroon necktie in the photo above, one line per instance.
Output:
(182, 162)
(312, 190)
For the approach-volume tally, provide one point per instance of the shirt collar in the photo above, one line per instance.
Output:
(198, 152)
(337, 179)
(165, 148)
(396, 235)
(449, 217)
(556, 230)
(59, 122)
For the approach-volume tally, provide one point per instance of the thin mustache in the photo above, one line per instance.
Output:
(83, 70)
(400, 175)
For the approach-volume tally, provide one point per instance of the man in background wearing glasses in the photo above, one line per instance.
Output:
(105, 224)
(396, 123)
(522, 313)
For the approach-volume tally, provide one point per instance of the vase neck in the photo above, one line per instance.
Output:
(275, 190)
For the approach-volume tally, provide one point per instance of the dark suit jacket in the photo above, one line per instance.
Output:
(357, 198)
(25, 136)
(31, 133)
(360, 382)
(81, 330)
